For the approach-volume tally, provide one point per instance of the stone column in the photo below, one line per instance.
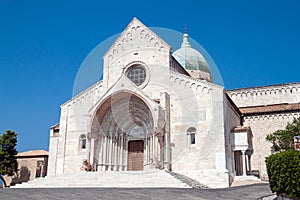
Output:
(92, 150)
(168, 151)
(126, 153)
(154, 158)
(110, 153)
(249, 162)
(161, 151)
(121, 151)
(95, 158)
(88, 139)
(146, 151)
(104, 152)
(156, 152)
(113, 153)
(151, 147)
(116, 153)
(244, 163)
(100, 143)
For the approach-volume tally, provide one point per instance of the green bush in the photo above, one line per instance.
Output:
(284, 172)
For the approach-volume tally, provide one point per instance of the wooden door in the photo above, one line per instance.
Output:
(135, 155)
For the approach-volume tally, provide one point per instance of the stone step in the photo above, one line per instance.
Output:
(156, 178)
(187, 180)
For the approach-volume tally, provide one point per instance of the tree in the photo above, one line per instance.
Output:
(8, 152)
(284, 139)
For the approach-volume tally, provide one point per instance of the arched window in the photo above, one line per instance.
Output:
(191, 133)
(82, 142)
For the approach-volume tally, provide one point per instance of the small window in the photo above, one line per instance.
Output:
(193, 141)
(82, 142)
(191, 133)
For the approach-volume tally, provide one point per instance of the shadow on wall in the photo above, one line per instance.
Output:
(22, 176)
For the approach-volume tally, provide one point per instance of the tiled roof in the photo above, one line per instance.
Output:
(55, 126)
(270, 108)
(33, 153)
(241, 128)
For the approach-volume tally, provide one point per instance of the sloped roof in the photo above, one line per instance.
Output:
(241, 128)
(270, 108)
(33, 153)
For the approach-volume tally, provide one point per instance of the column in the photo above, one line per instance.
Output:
(146, 151)
(156, 151)
(95, 158)
(121, 152)
(161, 151)
(249, 162)
(88, 147)
(126, 152)
(104, 153)
(92, 150)
(110, 153)
(101, 143)
(113, 153)
(116, 153)
(151, 148)
(168, 151)
(244, 163)
(147, 147)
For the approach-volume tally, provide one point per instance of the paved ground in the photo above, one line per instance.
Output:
(243, 192)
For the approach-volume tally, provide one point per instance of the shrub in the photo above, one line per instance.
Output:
(284, 172)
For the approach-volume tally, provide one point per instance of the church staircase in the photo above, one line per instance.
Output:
(122, 179)
(187, 180)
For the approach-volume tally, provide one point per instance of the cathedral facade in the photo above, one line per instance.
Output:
(158, 110)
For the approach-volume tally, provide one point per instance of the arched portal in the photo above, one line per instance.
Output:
(122, 120)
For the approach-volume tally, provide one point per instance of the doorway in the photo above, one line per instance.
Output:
(135, 155)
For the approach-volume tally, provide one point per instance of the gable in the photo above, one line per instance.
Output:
(136, 36)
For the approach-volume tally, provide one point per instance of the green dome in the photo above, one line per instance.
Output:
(190, 58)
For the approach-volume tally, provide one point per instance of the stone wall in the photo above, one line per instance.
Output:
(213, 115)
(27, 168)
(261, 126)
(266, 95)
(261, 123)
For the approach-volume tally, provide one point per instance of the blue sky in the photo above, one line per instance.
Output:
(43, 43)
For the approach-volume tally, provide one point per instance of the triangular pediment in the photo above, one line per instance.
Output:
(136, 36)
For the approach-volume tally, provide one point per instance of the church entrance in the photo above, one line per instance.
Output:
(135, 155)
(122, 136)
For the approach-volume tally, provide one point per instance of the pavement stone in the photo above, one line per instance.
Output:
(256, 191)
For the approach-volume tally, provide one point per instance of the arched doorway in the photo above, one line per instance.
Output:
(122, 135)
